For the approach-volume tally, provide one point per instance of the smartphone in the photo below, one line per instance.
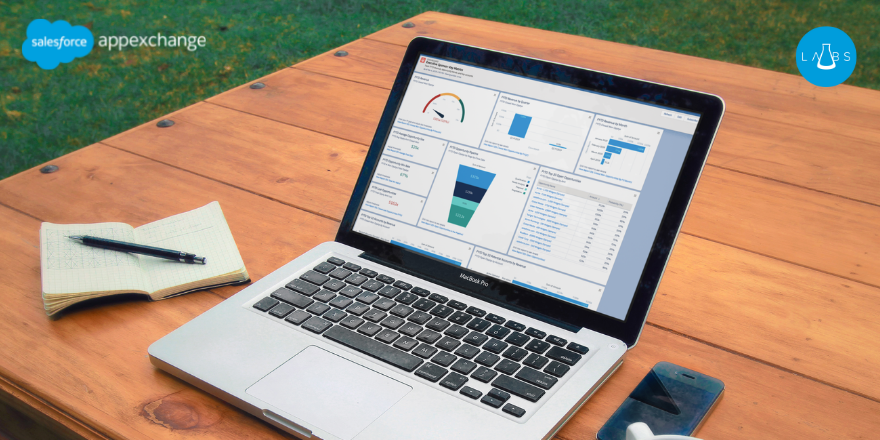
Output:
(670, 400)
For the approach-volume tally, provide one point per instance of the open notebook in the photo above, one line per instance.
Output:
(73, 272)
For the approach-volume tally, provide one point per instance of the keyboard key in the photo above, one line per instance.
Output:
(373, 348)
(453, 381)
(518, 388)
(498, 331)
(298, 317)
(294, 298)
(538, 378)
(368, 273)
(456, 331)
(369, 329)
(537, 346)
(265, 304)
(281, 310)
(498, 394)
(557, 369)
(406, 298)
(367, 298)
(476, 312)
(402, 310)
(351, 322)
(385, 279)
(470, 392)
(357, 309)
(491, 401)
(324, 296)
(392, 322)
(495, 346)
(302, 287)
(484, 374)
(384, 304)
(356, 279)
(507, 367)
(431, 372)
(515, 326)
(578, 348)
(515, 353)
(475, 339)
(517, 339)
(324, 267)
(479, 325)
(405, 343)
(387, 336)
(513, 410)
(410, 329)
(316, 325)
(351, 266)
(429, 336)
(350, 291)
(340, 273)
(461, 318)
(334, 285)
(437, 324)
(336, 261)
(318, 308)
(495, 318)
(425, 351)
(536, 361)
(448, 343)
(402, 285)
(464, 366)
(441, 311)
(487, 359)
(375, 315)
(535, 333)
(467, 351)
(389, 291)
(334, 315)
(420, 292)
(372, 285)
(424, 304)
(556, 340)
(457, 305)
(341, 302)
(419, 318)
(314, 277)
(563, 355)
(436, 297)
(444, 359)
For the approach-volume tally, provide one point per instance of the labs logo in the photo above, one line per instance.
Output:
(826, 56)
(49, 44)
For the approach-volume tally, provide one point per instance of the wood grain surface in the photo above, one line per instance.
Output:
(777, 262)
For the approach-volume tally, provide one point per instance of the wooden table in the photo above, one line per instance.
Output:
(774, 286)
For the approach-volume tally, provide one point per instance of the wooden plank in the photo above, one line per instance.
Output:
(779, 97)
(98, 371)
(23, 416)
(745, 143)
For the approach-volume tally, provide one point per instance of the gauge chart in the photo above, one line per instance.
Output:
(446, 106)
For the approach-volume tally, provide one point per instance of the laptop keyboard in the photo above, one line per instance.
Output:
(437, 339)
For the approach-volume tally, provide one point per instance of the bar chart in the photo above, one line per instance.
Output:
(471, 185)
(616, 147)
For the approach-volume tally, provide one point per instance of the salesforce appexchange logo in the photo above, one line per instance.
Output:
(49, 44)
(826, 56)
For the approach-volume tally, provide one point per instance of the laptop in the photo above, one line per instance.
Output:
(497, 258)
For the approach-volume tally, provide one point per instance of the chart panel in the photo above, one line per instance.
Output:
(620, 152)
(393, 203)
(415, 147)
(404, 175)
(414, 239)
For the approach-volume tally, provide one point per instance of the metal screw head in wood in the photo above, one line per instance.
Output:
(409, 24)
(48, 169)
(165, 123)
(257, 85)
(340, 53)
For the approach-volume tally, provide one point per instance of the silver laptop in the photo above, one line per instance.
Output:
(497, 259)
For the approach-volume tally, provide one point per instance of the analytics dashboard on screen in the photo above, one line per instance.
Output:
(551, 188)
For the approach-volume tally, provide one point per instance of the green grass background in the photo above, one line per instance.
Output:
(48, 113)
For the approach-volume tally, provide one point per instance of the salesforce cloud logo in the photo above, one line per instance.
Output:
(49, 44)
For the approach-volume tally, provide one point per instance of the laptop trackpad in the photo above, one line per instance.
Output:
(329, 392)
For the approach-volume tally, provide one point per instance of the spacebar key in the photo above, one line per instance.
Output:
(373, 348)
(518, 388)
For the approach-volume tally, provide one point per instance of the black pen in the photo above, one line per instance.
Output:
(122, 246)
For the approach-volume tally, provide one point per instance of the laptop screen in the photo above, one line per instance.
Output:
(552, 188)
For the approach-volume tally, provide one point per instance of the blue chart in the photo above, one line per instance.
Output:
(616, 147)
(471, 185)
(520, 125)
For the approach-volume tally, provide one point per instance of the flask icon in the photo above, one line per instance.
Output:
(826, 49)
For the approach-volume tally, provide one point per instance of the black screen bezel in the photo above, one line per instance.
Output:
(526, 301)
